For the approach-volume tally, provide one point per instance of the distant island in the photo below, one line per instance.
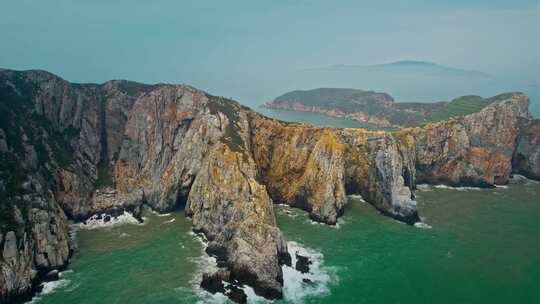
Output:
(378, 108)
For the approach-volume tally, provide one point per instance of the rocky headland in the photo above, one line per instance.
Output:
(378, 110)
(70, 151)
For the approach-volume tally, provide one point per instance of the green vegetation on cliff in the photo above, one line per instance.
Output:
(458, 107)
(230, 109)
(34, 146)
(104, 178)
(379, 108)
(12, 176)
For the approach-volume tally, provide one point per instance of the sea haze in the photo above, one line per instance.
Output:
(410, 81)
(254, 52)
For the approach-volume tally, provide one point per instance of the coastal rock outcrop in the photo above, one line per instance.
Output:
(526, 159)
(475, 150)
(377, 110)
(302, 166)
(235, 214)
(70, 151)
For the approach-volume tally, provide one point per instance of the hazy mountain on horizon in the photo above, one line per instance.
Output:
(406, 81)
(406, 66)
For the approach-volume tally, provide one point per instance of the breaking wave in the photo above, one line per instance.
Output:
(422, 225)
(103, 221)
(169, 221)
(205, 264)
(49, 287)
(316, 283)
(297, 286)
(426, 187)
(456, 188)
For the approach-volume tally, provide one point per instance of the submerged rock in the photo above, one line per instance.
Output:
(236, 294)
(213, 283)
(302, 263)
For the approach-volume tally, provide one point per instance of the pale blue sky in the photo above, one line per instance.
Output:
(235, 48)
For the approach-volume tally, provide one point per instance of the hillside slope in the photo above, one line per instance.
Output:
(378, 108)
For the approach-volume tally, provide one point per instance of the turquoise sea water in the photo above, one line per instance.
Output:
(483, 247)
(314, 119)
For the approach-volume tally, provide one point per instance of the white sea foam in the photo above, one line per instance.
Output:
(205, 264)
(422, 225)
(456, 188)
(72, 287)
(47, 288)
(63, 273)
(312, 222)
(356, 197)
(252, 296)
(295, 290)
(427, 187)
(290, 213)
(160, 214)
(169, 221)
(95, 221)
(340, 222)
(423, 187)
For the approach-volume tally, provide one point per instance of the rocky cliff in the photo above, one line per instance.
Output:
(526, 159)
(72, 150)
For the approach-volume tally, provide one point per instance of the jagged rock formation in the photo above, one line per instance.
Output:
(526, 159)
(69, 151)
(236, 215)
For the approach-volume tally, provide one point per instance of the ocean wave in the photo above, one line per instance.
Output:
(205, 264)
(422, 225)
(98, 221)
(423, 187)
(290, 213)
(287, 210)
(47, 288)
(316, 283)
(340, 222)
(160, 214)
(456, 188)
(426, 187)
(169, 221)
(63, 273)
(356, 197)
(296, 288)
